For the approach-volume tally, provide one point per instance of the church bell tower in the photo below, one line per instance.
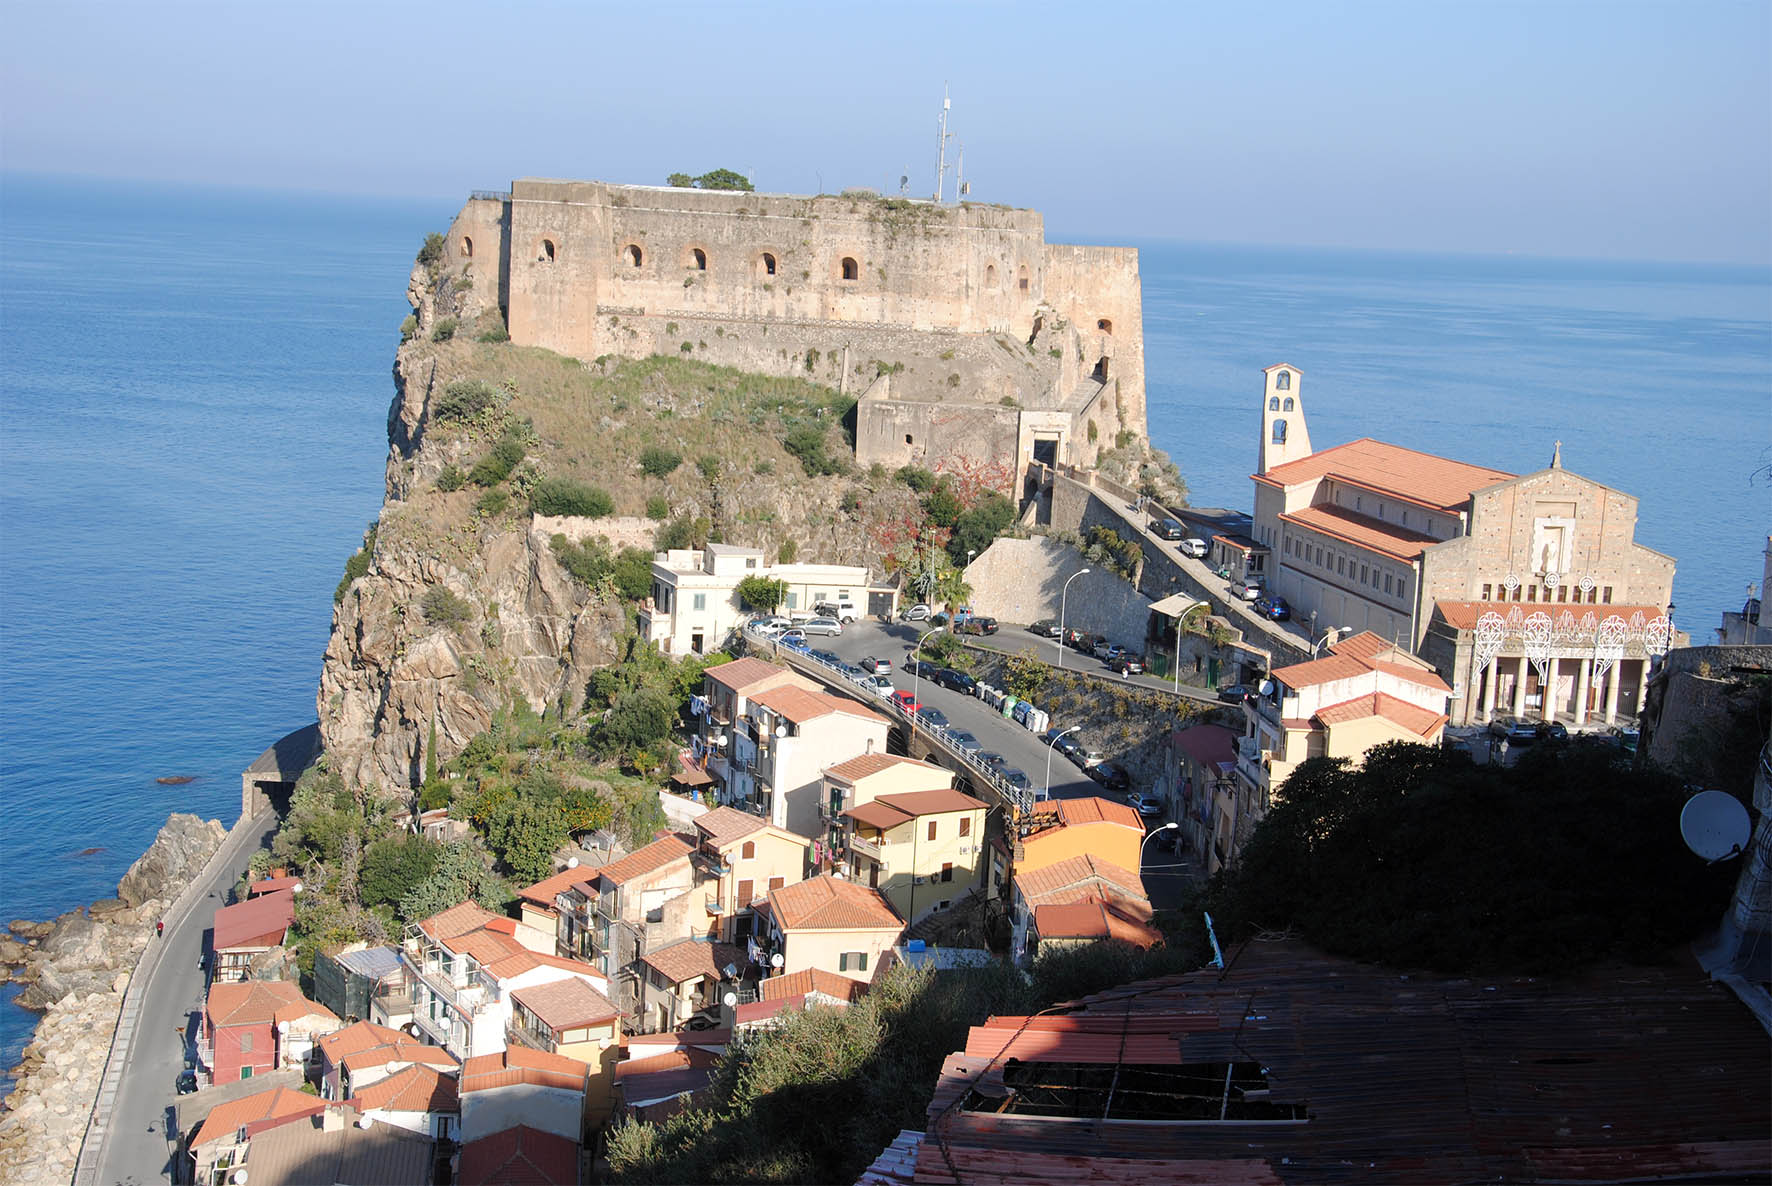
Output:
(1284, 436)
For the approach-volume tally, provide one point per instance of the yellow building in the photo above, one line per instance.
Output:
(1060, 829)
(922, 850)
(826, 923)
(574, 1020)
(742, 857)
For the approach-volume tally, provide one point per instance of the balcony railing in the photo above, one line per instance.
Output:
(466, 997)
(865, 847)
(717, 907)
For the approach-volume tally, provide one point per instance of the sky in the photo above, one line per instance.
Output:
(1599, 129)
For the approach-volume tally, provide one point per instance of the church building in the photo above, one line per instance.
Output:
(1528, 593)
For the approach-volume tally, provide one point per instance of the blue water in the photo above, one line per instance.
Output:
(196, 387)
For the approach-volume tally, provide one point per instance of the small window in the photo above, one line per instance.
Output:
(698, 259)
(1405, 519)
(907, 438)
(1286, 404)
(1283, 381)
(1273, 403)
(701, 601)
(932, 829)
(1531, 592)
(947, 870)
(1341, 566)
(965, 825)
(852, 961)
(749, 851)
(768, 264)
(1105, 326)
(545, 255)
(467, 247)
(246, 1072)
(990, 275)
(776, 883)
(1279, 432)
(634, 255)
(1357, 499)
(1606, 595)
(1363, 574)
(1387, 585)
(851, 269)
(1021, 278)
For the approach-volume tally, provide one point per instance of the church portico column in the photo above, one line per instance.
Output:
(1642, 684)
(1611, 693)
(1520, 689)
(1583, 678)
(1489, 688)
(1550, 694)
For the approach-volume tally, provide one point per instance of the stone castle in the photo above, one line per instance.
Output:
(972, 344)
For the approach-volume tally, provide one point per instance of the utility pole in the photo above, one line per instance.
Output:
(941, 146)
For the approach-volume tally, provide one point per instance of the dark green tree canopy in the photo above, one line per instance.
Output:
(717, 179)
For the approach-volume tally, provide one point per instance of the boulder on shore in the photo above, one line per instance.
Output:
(178, 854)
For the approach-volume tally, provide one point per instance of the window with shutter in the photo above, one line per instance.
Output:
(965, 825)
(744, 894)
(932, 829)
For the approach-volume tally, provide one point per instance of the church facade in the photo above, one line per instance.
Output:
(1527, 592)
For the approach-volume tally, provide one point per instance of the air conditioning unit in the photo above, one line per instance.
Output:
(965, 850)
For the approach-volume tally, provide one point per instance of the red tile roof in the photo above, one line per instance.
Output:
(520, 1156)
(1362, 531)
(685, 960)
(1363, 654)
(799, 705)
(271, 885)
(359, 1035)
(921, 803)
(365, 1044)
(744, 673)
(810, 980)
(257, 1112)
(543, 892)
(1463, 615)
(415, 1089)
(457, 920)
(1071, 879)
(723, 825)
(256, 922)
(260, 1002)
(1074, 813)
(875, 814)
(828, 903)
(865, 764)
(1420, 721)
(1092, 918)
(1390, 469)
(566, 1004)
(520, 1064)
(651, 859)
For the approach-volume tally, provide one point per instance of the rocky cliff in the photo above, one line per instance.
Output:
(515, 626)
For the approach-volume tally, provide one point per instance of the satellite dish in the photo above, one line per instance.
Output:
(1715, 825)
(1267, 687)
(730, 1000)
(775, 960)
(572, 862)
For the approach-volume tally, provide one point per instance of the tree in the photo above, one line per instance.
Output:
(393, 867)
(684, 532)
(680, 180)
(463, 872)
(659, 462)
(978, 525)
(762, 594)
(942, 505)
(525, 831)
(637, 719)
(724, 179)
(1024, 675)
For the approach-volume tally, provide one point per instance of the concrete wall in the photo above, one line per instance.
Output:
(1020, 580)
(550, 1109)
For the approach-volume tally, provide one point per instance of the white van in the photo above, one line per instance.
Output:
(842, 609)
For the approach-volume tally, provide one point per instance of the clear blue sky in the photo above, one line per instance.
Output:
(1606, 129)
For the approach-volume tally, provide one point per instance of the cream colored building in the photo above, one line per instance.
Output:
(827, 923)
(922, 849)
(1059, 829)
(741, 858)
(695, 607)
(1528, 593)
(861, 779)
(1363, 693)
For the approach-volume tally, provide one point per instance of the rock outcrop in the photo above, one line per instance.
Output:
(178, 854)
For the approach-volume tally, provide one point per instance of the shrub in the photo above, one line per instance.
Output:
(683, 532)
(493, 502)
(409, 328)
(564, 496)
(763, 468)
(465, 401)
(1094, 432)
(356, 566)
(497, 465)
(790, 551)
(443, 608)
(761, 593)
(431, 254)
(917, 478)
(497, 333)
(808, 444)
(450, 478)
(658, 462)
(657, 508)
(709, 465)
(444, 330)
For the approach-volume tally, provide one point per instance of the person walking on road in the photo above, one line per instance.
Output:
(160, 929)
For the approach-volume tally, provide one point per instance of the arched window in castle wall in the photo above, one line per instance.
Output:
(1021, 278)
(768, 264)
(698, 259)
(633, 255)
(1283, 381)
(1279, 432)
(851, 269)
(545, 253)
(467, 247)
(1286, 404)
(1273, 403)
(990, 275)
(1105, 326)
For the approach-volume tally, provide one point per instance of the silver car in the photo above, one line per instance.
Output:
(821, 626)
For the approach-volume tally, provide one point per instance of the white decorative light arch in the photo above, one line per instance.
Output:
(1609, 643)
(1490, 631)
(1538, 636)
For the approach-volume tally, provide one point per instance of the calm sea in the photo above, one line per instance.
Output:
(196, 387)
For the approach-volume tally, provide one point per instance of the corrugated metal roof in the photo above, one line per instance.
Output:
(256, 922)
(375, 963)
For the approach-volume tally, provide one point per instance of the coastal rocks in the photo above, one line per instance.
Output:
(45, 1117)
(178, 854)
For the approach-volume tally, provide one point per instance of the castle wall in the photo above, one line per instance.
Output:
(475, 245)
(1090, 285)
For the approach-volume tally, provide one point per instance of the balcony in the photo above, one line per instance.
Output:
(711, 863)
(718, 908)
(466, 995)
(862, 846)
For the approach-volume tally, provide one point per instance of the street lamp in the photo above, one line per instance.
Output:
(1050, 746)
(1168, 827)
(916, 667)
(1327, 636)
(1062, 594)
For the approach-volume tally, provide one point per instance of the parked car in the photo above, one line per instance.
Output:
(1513, 730)
(1129, 664)
(841, 609)
(874, 666)
(914, 613)
(830, 657)
(877, 684)
(1167, 528)
(794, 640)
(1551, 731)
(852, 673)
(1109, 652)
(1084, 641)
(933, 717)
(979, 626)
(1626, 737)
(187, 1079)
(993, 759)
(1148, 806)
(771, 625)
(1083, 757)
(1111, 775)
(959, 681)
(822, 626)
(906, 702)
(1065, 743)
(1249, 590)
(1235, 693)
(1044, 628)
(1015, 778)
(1193, 546)
(923, 668)
(1274, 607)
(965, 741)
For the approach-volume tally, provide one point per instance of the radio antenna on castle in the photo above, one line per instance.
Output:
(941, 146)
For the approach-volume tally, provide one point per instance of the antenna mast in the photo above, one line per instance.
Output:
(941, 146)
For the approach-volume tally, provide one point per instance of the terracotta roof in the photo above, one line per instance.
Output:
(876, 814)
(690, 958)
(271, 885)
(828, 903)
(1390, 469)
(520, 1064)
(799, 705)
(415, 1089)
(457, 920)
(1074, 813)
(520, 1156)
(256, 922)
(366, 1044)
(672, 1060)
(359, 1035)
(744, 673)
(1071, 879)
(1362, 531)
(920, 803)
(565, 1004)
(1420, 721)
(650, 859)
(861, 766)
(263, 1109)
(1092, 918)
(1364, 645)
(690, 774)
(1354, 657)
(543, 892)
(1209, 745)
(655, 1087)
(1463, 615)
(810, 980)
(260, 1002)
(723, 825)
(1408, 1078)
